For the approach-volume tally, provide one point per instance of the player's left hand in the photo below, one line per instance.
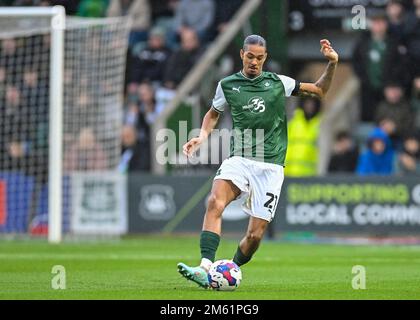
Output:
(328, 51)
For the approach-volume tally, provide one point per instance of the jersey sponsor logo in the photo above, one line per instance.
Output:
(255, 105)
(238, 89)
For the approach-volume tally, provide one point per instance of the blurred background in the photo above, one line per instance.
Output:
(133, 67)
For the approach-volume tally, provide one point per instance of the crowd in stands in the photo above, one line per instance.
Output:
(23, 104)
(169, 36)
(386, 60)
(166, 39)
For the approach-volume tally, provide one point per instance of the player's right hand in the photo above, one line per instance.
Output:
(191, 146)
(328, 51)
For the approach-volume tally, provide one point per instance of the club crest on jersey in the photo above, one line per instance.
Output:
(255, 105)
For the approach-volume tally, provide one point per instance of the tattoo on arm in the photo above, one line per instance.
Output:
(325, 81)
(321, 87)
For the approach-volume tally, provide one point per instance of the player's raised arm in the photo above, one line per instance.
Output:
(320, 88)
(209, 123)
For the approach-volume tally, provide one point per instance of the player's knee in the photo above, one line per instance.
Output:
(215, 205)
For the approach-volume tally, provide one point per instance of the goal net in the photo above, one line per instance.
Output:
(94, 57)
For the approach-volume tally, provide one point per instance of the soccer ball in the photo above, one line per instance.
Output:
(224, 275)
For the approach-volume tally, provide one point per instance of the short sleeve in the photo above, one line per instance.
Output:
(219, 100)
(289, 84)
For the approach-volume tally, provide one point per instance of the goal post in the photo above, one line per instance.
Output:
(84, 73)
(55, 187)
(57, 14)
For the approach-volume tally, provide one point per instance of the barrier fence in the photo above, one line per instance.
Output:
(340, 204)
(145, 203)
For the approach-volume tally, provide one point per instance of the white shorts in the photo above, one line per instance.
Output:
(260, 183)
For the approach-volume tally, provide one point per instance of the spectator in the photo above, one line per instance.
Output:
(163, 9)
(140, 12)
(35, 96)
(182, 60)
(397, 108)
(345, 154)
(388, 126)
(371, 59)
(409, 159)
(378, 159)
(70, 6)
(412, 38)
(2, 84)
(132, 93)
(163, 95)
(303, 132)
(135, 155)
(132, 114)
(149, 64)
(141, 145)
(197, 15)
(143, 104)
(396, 13)
(148, 104)
(80, 113)
(35, 92)
(10, 52)
(140, 116)
(14, 142)
(408, 4)
(132, 105)
(23, 3)
(224, 11)
(86, 153)
(416, 99)
(92, 8)
(47, 3)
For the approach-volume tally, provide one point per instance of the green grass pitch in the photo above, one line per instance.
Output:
(145, 268)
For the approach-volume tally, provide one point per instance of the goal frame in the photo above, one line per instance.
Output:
(57, 14)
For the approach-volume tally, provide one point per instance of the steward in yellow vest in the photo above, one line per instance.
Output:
(303, 132)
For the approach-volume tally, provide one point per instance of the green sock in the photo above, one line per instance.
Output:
(239, 258)
(209, 242)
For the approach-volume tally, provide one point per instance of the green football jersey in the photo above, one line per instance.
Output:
(258, 114)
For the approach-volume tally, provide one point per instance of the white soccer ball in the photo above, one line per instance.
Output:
(224, 275)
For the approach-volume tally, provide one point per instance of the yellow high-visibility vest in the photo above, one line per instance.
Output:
(302, 150)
